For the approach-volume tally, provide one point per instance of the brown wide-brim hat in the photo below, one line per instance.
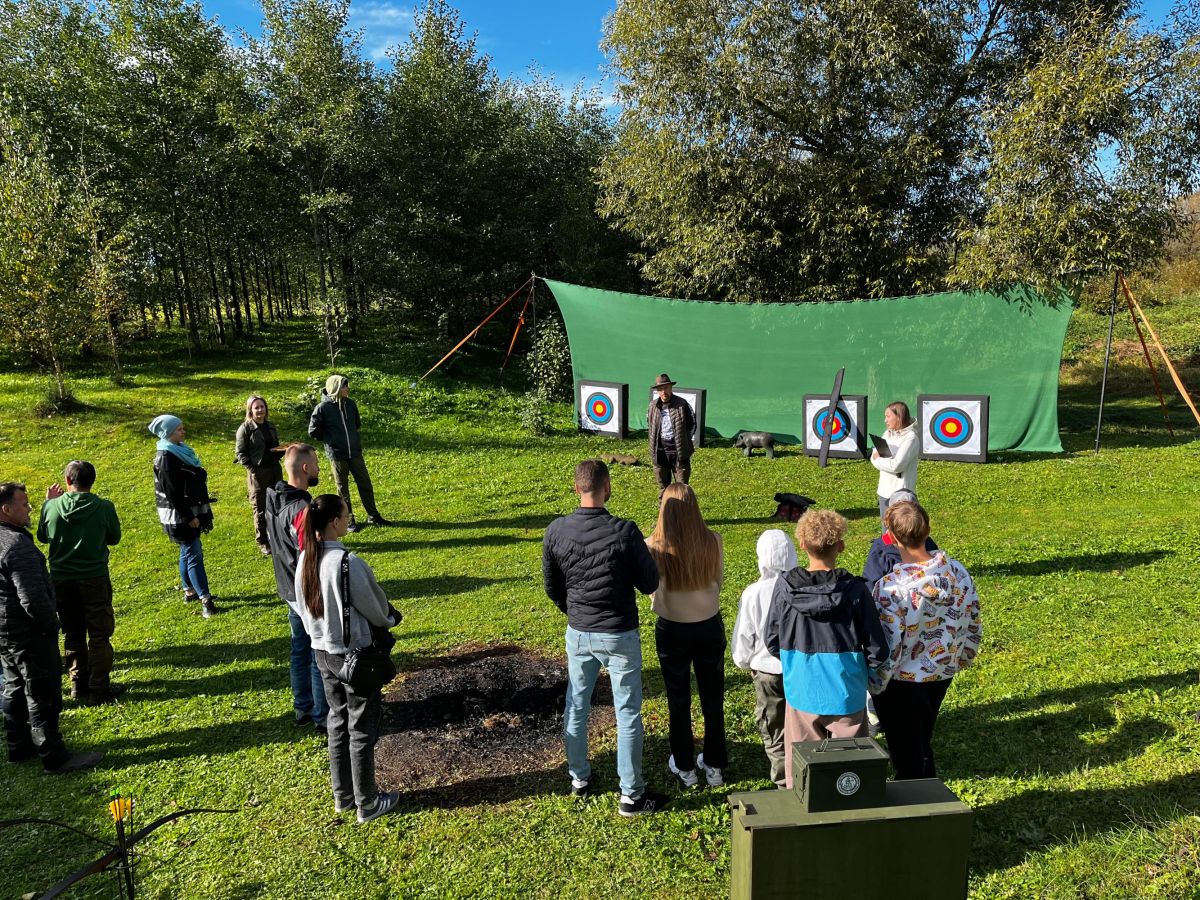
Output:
(662, 381)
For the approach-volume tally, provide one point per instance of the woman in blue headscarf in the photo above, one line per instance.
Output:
(181, 495)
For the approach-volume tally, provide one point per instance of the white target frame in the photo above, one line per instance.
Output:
(974, 407)
(617, 394)
(854, 408)
(697, 399)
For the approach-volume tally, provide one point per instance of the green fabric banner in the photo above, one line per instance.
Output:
(757, 361)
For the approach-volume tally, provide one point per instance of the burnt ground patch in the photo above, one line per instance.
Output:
(480, 723)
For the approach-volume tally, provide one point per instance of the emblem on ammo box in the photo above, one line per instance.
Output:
(848, 783)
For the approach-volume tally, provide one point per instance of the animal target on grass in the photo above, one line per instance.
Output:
(848, 436)
(603, 407)
(696, 398)
(953, 426)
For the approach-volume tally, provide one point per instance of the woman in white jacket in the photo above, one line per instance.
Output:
(776, 555)
(898, 471)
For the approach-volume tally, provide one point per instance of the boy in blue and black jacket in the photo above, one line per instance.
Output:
(825, 629)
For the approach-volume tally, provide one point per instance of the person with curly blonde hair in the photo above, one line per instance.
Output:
(689, 633)
(825, 629)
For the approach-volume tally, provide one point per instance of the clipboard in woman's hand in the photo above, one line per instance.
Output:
(881, 446)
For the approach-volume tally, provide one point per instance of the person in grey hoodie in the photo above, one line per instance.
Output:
(31, 699)
(336, 422)
(78, 528)
(776, 555)
(324, 593)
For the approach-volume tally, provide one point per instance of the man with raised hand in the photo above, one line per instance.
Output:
(287, 502)
(592, 562)
(78, 527)
(31, 698)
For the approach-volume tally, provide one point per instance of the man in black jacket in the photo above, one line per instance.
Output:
(31, 698)
(287, 503)
(670, 421)
(336, 422)
(592, 562)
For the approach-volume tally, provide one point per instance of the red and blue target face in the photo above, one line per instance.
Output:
(598, 408)
(841, 425)
(951, 427)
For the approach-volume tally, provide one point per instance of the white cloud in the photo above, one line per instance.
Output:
(383, 24)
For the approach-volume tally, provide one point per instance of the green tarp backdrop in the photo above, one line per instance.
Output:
(757, 361)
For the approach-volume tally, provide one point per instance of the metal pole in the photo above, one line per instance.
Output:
(1112, 315)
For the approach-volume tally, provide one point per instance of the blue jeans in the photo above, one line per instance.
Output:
(308, 691)
(621, 654)
(191, 567)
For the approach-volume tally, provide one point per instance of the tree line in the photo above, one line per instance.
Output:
(155, 170)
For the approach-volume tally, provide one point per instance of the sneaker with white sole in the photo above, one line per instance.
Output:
(648, 802)
(687, 778)
(385, 802)
(581, 789)
(712, 774)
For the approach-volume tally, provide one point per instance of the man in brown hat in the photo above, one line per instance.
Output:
(671, 423)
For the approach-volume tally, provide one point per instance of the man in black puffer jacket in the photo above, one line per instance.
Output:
(592, 562)
(31, 698)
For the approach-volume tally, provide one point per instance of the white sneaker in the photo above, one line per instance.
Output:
(712, 775)
(688, 779)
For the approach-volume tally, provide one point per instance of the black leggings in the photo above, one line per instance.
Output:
(908, 710)
(682, 646)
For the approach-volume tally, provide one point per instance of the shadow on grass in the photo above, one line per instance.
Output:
(537, 521)
(204, 740)
(483, 540)
(1093, 562)
(1026, 738)
(439, 585)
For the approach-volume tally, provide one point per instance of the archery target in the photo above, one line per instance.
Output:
(847, 434)
(603, 407)
(697, 399)
(953, 426)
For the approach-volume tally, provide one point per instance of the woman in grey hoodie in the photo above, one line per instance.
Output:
(325, 591)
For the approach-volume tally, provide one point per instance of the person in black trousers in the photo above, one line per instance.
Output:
(254, 448)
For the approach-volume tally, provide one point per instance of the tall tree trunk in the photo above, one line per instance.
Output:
(234, 302)
(216, 290)
(189, 296)
(241, 255)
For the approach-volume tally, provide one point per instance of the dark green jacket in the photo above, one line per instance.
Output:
(337, 425)
(79, 528)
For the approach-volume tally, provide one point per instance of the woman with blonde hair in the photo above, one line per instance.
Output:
(897, 472)
(254, 448)
(689, 633)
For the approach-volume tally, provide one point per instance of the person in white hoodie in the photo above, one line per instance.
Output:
(776, 555)
(897, 472)
(930, 610)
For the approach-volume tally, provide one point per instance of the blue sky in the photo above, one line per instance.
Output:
(562, 37)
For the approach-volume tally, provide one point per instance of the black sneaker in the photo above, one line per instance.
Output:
(649, 802)
(353, 527)
(208, 609)
(303, 720)
(581, 790)
(379, 521)
(108, 695)
(75, 762)
(190, 596)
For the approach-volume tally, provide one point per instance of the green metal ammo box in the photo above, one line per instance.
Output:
(915, 845)
(839, 773)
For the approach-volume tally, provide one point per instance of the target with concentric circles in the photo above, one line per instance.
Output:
(951, 427)
(598, 408)
(841, 425)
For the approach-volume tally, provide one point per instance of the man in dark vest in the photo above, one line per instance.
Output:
(671, 422)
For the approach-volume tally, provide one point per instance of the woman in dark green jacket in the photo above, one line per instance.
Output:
(255, 449)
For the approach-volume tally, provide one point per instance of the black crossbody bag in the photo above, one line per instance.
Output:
(366, 669)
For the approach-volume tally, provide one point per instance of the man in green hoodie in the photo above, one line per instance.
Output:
(79, 527)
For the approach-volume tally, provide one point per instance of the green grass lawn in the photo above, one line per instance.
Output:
(1073, 737)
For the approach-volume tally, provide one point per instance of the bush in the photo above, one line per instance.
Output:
(549, 362)
(53, 405)
(534, 414)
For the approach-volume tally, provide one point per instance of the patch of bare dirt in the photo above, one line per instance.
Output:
(479, 724)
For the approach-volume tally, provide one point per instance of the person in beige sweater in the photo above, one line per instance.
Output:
(689, 633)
(897, 472)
